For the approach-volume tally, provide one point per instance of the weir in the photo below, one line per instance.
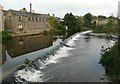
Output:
(12, 64)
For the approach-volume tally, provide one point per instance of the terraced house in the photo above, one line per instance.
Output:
(1, 18)
(21, 23)
(119, 9)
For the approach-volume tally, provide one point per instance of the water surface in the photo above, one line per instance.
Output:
(76, 61)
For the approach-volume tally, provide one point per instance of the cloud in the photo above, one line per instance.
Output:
(59, 7)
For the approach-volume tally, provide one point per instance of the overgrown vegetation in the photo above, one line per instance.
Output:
(6, 36)
(73, 23)
(58, 28)
(111, 61)
(87, 20)
(69, 23)
(107, 25)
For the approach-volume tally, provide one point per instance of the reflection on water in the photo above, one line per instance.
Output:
(25, 44)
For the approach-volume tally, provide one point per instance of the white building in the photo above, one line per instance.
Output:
(1, 18)
(119, 9)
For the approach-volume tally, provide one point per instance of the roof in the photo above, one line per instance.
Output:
(20, 13)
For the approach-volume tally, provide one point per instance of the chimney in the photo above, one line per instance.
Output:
(30, 8)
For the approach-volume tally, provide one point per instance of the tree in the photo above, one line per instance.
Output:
(23, 10)
(78, 24)
(87, 20)
(69, 20)
(73, 23)
(101, 17)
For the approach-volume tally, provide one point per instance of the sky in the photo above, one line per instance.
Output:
(61, 7)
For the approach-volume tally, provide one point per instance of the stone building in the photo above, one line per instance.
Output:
(25, 22)
(119, 9)
(101, 21)
(1, 18)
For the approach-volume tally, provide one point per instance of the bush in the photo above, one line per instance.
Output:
(6, 36)
(111, 61)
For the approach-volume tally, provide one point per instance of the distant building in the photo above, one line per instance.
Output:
(119, 9)
(1, 18)
(25, 22)
(101, 21)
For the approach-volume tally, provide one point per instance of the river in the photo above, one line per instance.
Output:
(76, 60)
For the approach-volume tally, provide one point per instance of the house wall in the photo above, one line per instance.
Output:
(1, 19)
(101, 22)
(119, 9)
(9, 24)
(26, 24)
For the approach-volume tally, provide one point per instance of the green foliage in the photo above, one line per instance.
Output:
(23, 10)
(100, 29)
(110, 27)
(93, 24)
(69, 20)
(111, 61)
(73, 23)
(102, 17)
(58, 26)
(51, 21)
(87, 20)
(6, 36)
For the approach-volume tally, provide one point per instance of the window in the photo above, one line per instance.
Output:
(29, 19)
(44, 20)
(20, 18)
(32, 18)
(9, 18)
(36, 19)
(20, 26)
(40, 19)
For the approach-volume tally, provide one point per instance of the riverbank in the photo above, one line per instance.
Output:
(110, 59)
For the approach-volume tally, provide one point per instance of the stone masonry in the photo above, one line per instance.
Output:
(25, 22)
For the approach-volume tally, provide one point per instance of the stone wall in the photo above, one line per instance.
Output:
(20, 24)
(119, 9)
(1, 18)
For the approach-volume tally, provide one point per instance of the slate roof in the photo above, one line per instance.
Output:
(29, 14)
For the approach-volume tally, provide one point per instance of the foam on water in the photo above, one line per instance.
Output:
(29, 74)
(71, 41)
(62, 52)
(33, 75)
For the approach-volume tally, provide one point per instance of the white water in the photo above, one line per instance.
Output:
(29, 74)
(32, 75)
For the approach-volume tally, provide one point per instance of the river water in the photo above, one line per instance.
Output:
(76, 60)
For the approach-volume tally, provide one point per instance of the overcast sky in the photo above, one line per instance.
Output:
(61, 7)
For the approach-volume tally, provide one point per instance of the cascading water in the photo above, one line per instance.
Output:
(33, 73)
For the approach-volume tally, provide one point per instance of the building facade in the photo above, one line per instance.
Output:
(1, 18)
(119, 9)
(101, 21)
(25, 22)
